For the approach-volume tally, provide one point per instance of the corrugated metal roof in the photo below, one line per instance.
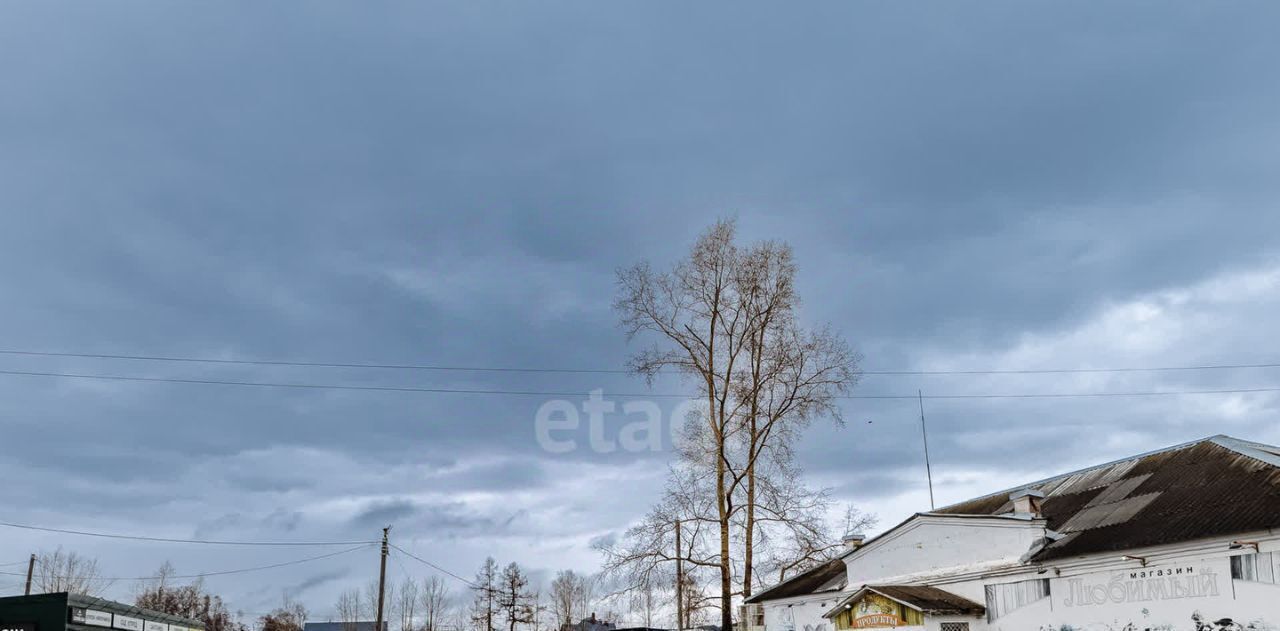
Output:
(1218, 486)
(364, 625)
(804, 583)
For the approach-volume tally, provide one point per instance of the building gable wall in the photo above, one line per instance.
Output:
(934, 544)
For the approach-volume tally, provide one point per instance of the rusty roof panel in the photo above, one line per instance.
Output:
(1119, 490)
(1128, 509)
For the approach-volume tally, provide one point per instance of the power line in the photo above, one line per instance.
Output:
(308, 386)
(432, 565)
(1067, 371)
(532, 369)
(553, 393)
(1067, 395)
(190, 541)
(400, 565)
(222, 572)
(308, 364)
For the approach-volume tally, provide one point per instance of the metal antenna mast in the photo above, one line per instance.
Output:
(924, 431)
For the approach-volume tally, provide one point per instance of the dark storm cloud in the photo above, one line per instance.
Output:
(456, 184)
(386, 513)
(313, 581)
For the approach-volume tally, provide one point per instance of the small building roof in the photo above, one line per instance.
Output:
(94, 602)
(930, 601)
(806, 582)
(363, 625)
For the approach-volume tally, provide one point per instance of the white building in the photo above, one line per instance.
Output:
(1183, 538)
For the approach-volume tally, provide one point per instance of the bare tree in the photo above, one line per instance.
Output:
(590, 586)
(61, 571)
(725, 319)
(290, 616)
(406, 604)
(537, 610)
(568, 589)
(697, 602)
(390, 603)
(645, 601)
(350, 609)
(514, 598)
(458, 618)
(792, 377)
(695, 311)
(434, 600)
(793, 530)
(484, 602)
(647, 551)
(189, 601)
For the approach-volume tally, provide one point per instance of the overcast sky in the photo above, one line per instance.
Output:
(966, 185)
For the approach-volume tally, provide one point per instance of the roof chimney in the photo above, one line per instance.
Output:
(1026, 502)
(854, 540)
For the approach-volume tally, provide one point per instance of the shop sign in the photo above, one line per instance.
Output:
(155, 626)
(97, 618)
(874, 611)
(126, 623)
(877, 621)
(80, 615)
(17, 626)
(1141, 586)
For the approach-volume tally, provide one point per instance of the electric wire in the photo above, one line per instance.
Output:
(85, 533)
(534, 369)
(553, 393)
(431, 565)
(225, 572)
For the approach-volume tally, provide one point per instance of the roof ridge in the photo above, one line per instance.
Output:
(1267, 454)
(1213, 439)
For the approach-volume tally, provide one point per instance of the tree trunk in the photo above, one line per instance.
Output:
(749, 546)
(726, 576)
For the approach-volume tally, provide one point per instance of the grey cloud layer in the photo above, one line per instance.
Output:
(456, 183)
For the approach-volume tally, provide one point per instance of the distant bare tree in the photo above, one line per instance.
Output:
(646, 554)
(407, 603)
(539, 610)
(61, 571)
(514, 598)
(434, 600)
(390, 603)
(290, 616)
(349, 609)
(485, 589)
(188, 601)
(568, 590)
(645, 600)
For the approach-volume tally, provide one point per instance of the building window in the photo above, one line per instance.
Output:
(954, 626)
(1257, 568)
(1006, 598)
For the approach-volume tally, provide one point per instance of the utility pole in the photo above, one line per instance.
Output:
(31, 568)
(679, 582)
(928, 468)
(382, 578)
